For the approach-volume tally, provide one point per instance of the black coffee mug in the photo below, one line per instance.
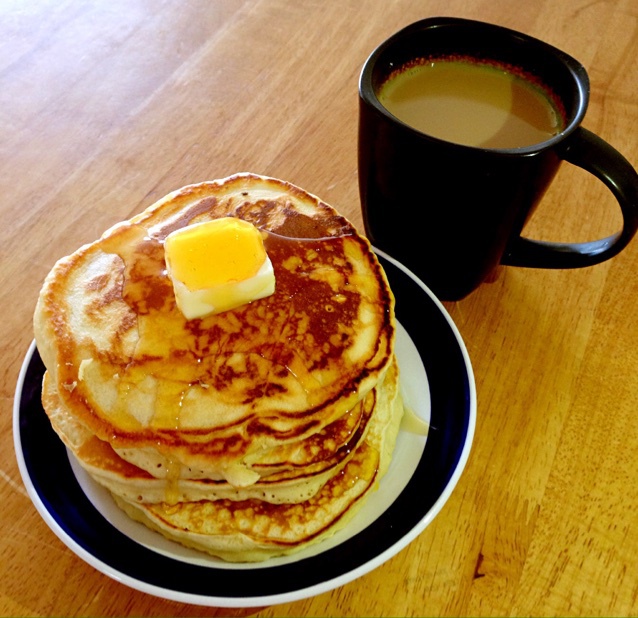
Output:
(450, 212)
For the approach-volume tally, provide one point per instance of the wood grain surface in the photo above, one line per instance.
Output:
(107, 105)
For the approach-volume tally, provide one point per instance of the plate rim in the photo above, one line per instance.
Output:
(281, 597)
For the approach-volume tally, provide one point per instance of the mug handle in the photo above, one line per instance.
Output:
(588, 151)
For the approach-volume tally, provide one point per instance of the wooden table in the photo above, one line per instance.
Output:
(105, 106)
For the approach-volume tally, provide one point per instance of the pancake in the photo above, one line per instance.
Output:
(248, 433)
(254, 530)
(288, 484)
(206, 394)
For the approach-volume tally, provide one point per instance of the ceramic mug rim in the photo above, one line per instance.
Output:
(368, 91)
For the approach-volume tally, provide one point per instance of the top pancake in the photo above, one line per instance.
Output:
(133, 370)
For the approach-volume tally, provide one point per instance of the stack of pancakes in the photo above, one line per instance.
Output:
(249, 433)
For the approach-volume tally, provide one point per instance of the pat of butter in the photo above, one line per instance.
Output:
(217, 265)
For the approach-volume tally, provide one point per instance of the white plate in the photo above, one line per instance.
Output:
(436, 382)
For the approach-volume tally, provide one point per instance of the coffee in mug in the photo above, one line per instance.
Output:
(473, 103)
(462, 127)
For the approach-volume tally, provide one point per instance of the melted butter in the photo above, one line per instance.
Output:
(366, 467)
(142, 401)
(412, 423)
(168, 404)
(172, 494)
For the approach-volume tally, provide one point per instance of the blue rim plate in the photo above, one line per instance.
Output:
(437, 382)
